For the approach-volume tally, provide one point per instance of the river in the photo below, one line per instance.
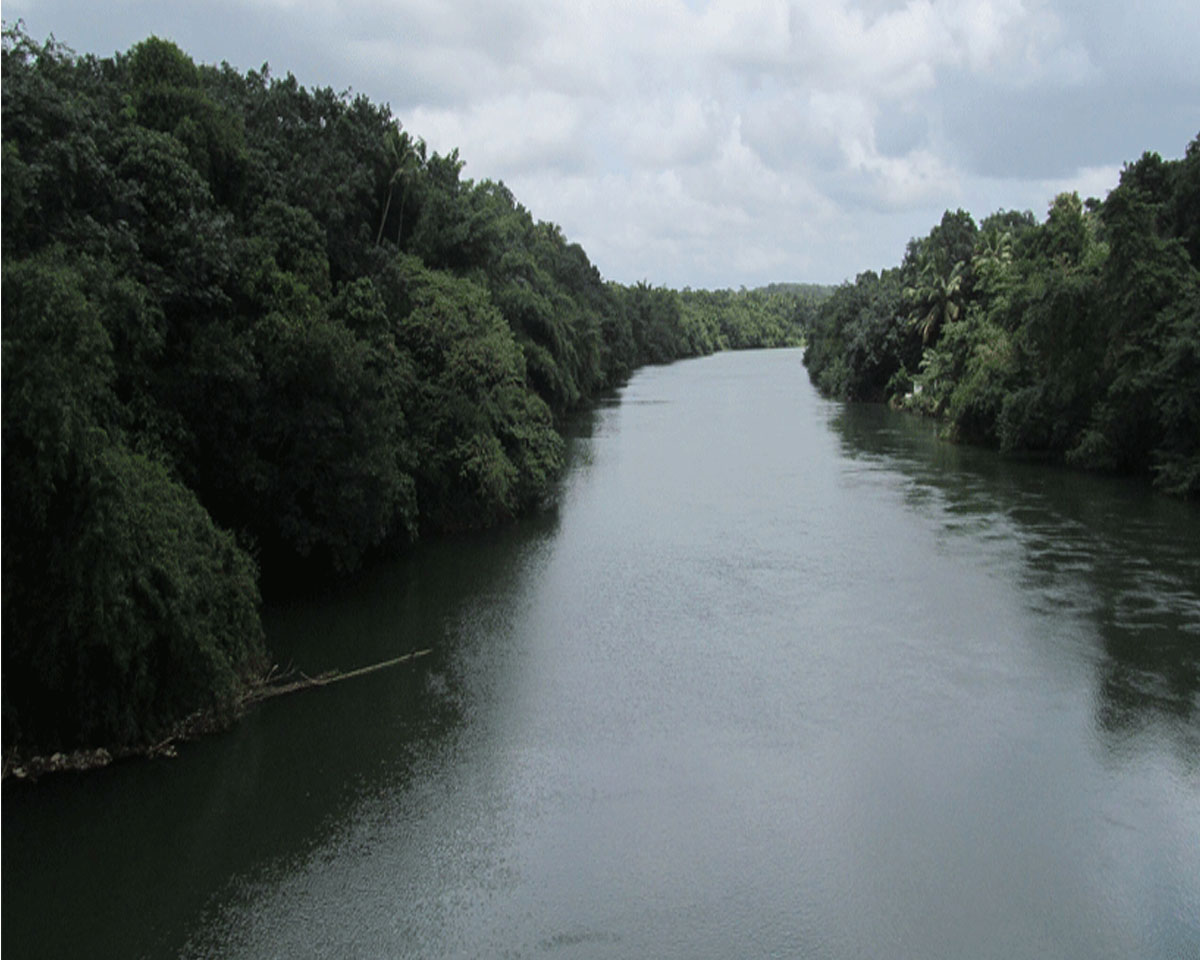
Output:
(775, 677)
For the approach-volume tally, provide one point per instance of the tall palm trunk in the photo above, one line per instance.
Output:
(386, 207)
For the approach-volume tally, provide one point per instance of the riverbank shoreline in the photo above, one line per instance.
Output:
(31, 769)
(202, 723)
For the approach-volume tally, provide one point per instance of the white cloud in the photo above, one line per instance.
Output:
(666, 131)
(727, 141)
(754, 33)
(516, 132)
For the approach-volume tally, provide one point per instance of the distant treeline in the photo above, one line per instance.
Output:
(1076, 339)
(250, 326)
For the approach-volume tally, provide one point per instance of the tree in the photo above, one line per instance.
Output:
(485, 445)
(405, 161)
(937, 299)
(125, 609)
(1148, 284)
(859, 340)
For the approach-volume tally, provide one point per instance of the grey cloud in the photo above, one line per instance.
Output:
(723, 142)
(900, 131)
(1038, 134)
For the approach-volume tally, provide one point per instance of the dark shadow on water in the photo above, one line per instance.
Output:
(1123, 557)
(251, 804)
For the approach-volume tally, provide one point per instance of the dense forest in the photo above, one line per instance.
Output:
(252, 330)
(1075, 339)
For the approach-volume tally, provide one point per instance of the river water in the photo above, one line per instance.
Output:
(776, 677)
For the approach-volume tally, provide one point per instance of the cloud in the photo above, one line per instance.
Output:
(745, 33)
(515, 132)
(728, 141)
(666, 131)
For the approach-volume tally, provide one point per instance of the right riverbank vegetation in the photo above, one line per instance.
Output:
(1076, 339)
(251, 328)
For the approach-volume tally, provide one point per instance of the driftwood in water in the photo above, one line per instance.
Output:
(269, 689)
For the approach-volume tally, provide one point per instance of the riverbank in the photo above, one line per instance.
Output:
(199, 724)
(1075, 339)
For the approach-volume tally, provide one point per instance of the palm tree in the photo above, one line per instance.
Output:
(937, 298)
(405, 162)
(995, 246)
(993, 260)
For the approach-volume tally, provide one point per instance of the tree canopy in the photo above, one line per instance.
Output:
(1077, 338)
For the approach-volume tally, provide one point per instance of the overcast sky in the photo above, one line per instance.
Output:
(721, 143)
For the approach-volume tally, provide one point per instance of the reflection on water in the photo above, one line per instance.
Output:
(1111, 550)
(774, 677)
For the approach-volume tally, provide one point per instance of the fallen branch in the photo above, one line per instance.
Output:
(268, 690)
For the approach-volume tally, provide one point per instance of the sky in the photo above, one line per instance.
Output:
(726, 143)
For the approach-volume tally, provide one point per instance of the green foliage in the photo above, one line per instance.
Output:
(937, 300)
(860, 340)
(125, 609)
(58, 121)
(168, 96)
(1176, 379)
(485, 447)
(1057, 352)
(937, 274)
(135, 611)
(1076, 339)
(977, 393)
(58, 374)
(745, 319)
(656, 320)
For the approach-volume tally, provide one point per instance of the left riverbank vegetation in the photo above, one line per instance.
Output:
(1076, 338)
(254, 332)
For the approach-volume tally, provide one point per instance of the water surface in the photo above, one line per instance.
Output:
(777, 677)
